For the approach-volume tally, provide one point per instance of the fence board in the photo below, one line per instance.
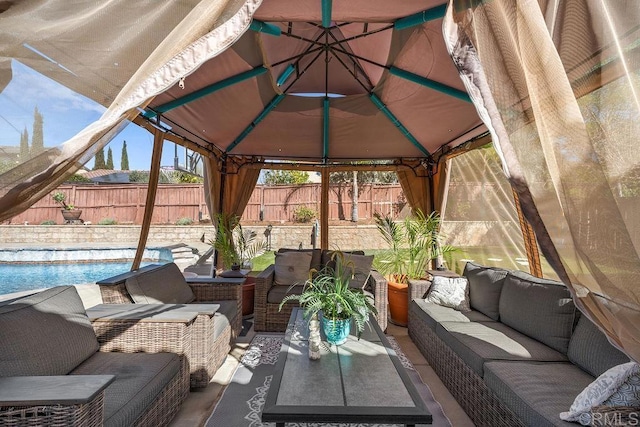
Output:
(125, 203)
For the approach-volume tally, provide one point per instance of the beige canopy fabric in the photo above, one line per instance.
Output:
(118, 54)
(558, 85)
(344, 66)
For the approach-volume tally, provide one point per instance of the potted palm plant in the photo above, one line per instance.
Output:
(237, 248)
(327, 292)
(414, 244)
(69, 212)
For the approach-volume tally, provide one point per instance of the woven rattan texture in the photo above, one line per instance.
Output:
(84, 415)
(169, 401)
(480, 403)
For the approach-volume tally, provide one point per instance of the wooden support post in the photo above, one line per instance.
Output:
(154, 175)
(324, 211)
(530, 242)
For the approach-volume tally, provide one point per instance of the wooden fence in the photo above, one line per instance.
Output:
(125, 203)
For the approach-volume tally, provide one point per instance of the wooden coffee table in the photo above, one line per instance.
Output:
(361, 381)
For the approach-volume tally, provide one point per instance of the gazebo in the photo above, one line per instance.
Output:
(321, 85)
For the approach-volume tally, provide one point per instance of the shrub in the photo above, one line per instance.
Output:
(303, 214)
(107, 221)
(78, 178)
(184, 221)
(48, 222)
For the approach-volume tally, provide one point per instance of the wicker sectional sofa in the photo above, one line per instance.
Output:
(520, 356)
(269, 293)
(53, 371)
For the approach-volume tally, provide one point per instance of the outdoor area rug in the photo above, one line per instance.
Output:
(242, 400)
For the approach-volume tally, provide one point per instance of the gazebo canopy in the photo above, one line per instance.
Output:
(325, 83)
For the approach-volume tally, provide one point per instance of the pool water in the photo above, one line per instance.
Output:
(24, 277)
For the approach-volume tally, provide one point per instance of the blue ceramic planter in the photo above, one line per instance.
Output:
(336, 330)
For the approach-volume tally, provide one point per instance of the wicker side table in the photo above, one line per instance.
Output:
(70, 400)
(184, 329)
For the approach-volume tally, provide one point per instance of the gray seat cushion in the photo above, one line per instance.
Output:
(540, 308)
(590, 349)
(162, 285)
(485, 287)
(432, 314)
(47, 333)
(140, 377)
(537, 392)
(478, 342)
(225, 313)
(278, 292)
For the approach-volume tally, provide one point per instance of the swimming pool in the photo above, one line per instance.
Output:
(23, 270)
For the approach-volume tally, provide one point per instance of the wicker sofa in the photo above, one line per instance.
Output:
(53, 371)
(269, 292)
(520, 356)
(213, 332)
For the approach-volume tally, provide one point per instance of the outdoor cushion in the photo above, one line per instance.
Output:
(326, 257)
(476, 343)
(225, 313)
(278, 292)
(450, 292)
(590, 349)
(163, 285)
(316, 256)
(291, 267)
(432, 314)
(536, 392)
(540, 308)
(45, 334)
(618, 386)
(140, 377)
(485, 287)
(361, 269)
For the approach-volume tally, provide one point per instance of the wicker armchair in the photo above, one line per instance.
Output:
(210, 343)
(268, 317)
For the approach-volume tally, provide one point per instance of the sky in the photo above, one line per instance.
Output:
(64, 114)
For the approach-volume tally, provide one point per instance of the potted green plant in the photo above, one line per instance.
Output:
(236, 249)
(69, 212)
(328, 292)
(414, 244)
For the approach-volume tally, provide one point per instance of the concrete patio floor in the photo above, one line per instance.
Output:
(200, 403)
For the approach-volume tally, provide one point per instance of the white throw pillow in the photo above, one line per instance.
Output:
(450, 292)
(618, 386)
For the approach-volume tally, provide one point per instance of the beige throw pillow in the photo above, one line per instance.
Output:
(292, 268)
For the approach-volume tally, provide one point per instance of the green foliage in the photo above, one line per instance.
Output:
(109, 164)
(6, 165)
(99, 162)
(303, 214)
(78, 178)
(413, 243)
(24, 146)
(48, 222)
(364, 177)
(233, 244)
(184, 221)
(37, 138)
(330, 293)
(107, 221)
(187, 178)
(60, 198)
(282, 177)
(124, 158)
